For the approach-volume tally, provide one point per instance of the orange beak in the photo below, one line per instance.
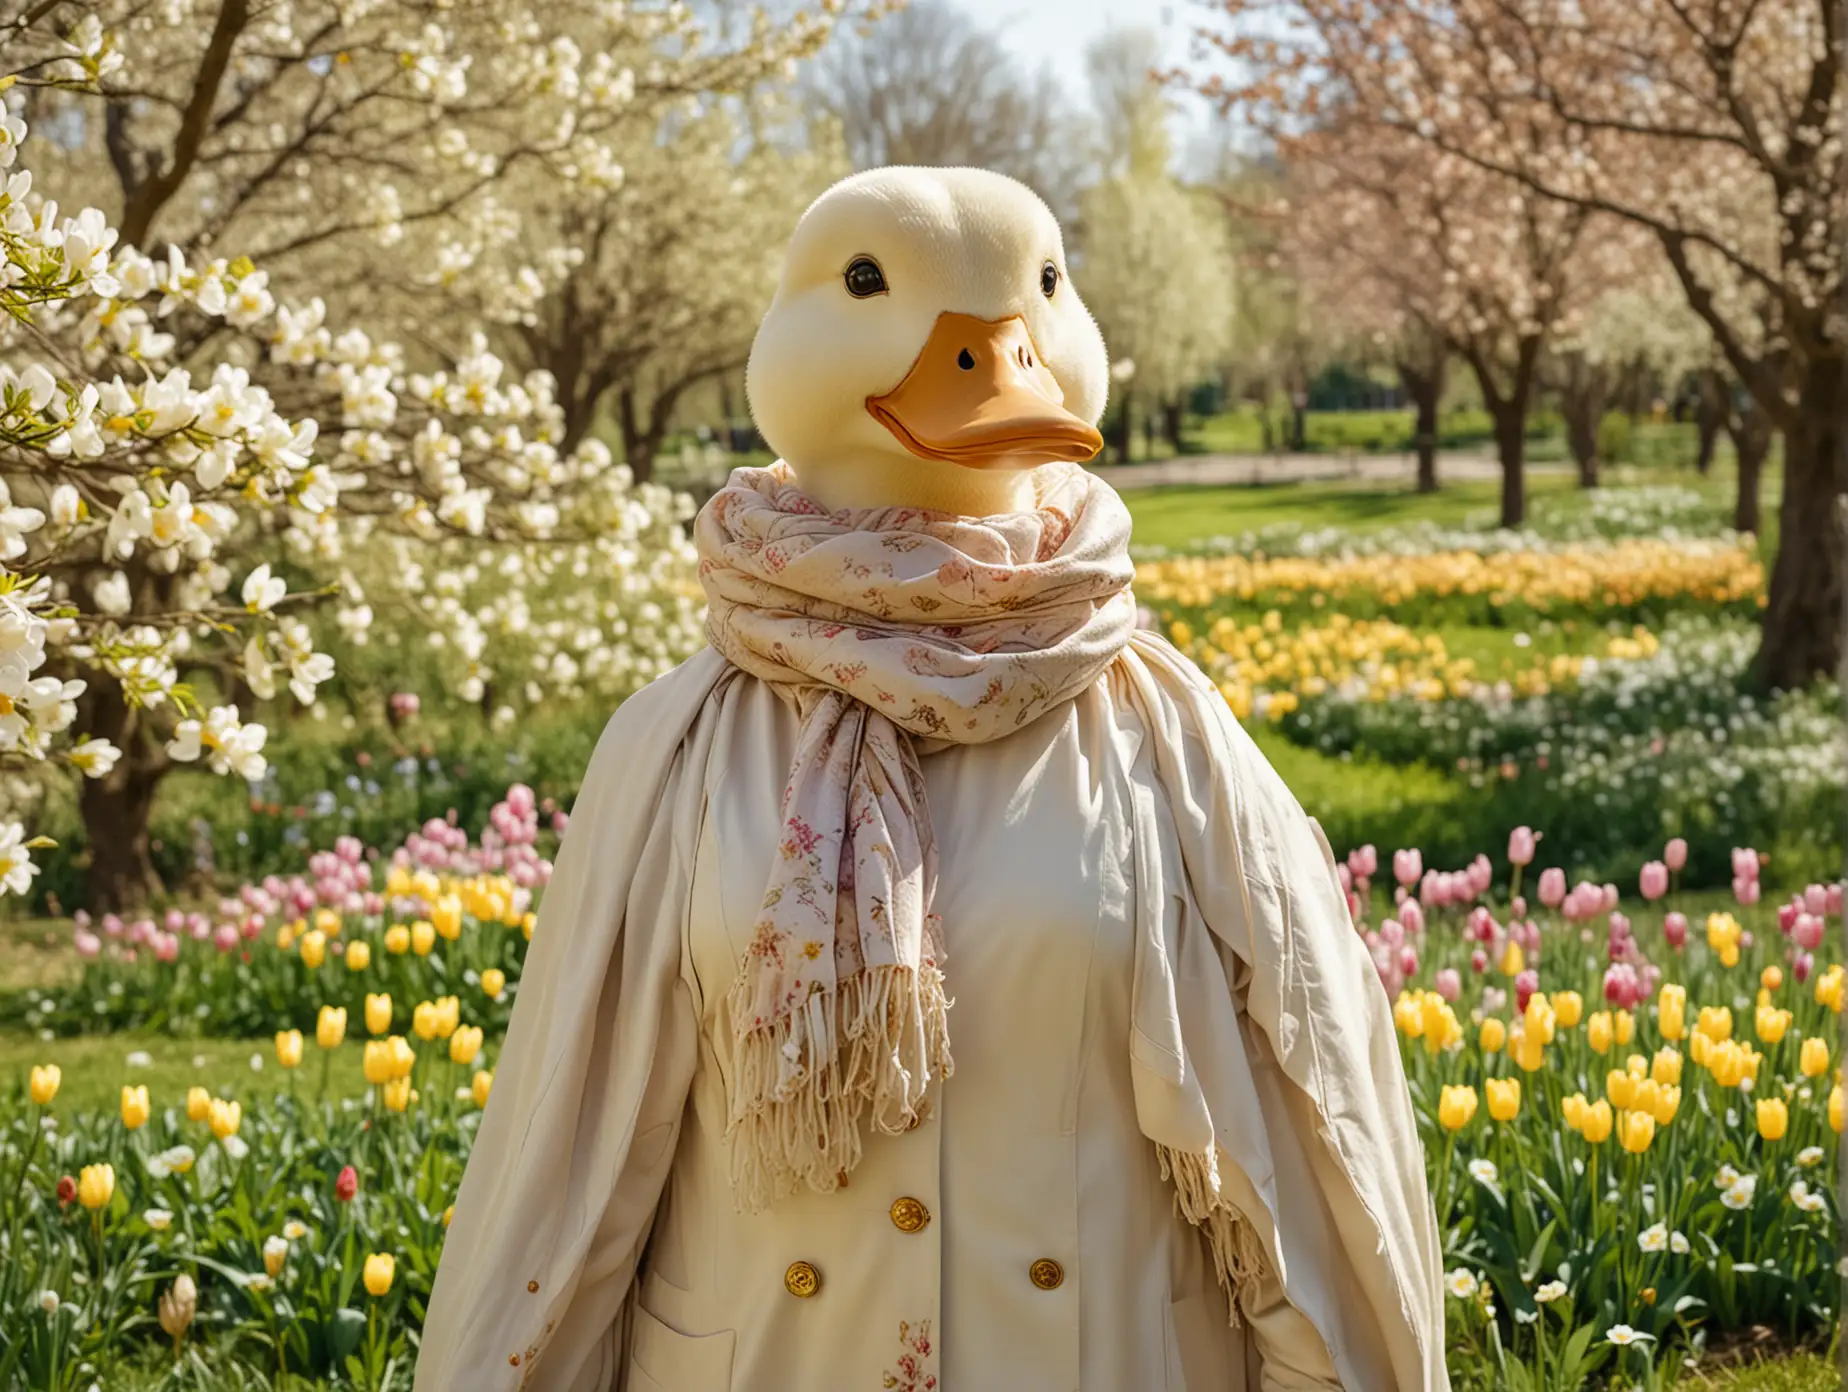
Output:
(978, 395)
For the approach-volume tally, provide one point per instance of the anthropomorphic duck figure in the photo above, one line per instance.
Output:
(936, 989)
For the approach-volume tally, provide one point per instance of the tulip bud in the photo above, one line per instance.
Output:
(289, 1048)
(177, 1304)
(135, 1109)
(44, 1084)
(347, 1185)
(380, 1269)
(95, 1186)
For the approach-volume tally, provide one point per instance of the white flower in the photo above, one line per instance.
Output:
(235, 1147)
(1462, 1283)
(158, 1219)
(1653, 1238)
(1622, 1335)
(1803, 1198)
(1678, 1243)
(1526, 1316)
(275, 1249)
(256, 1063)
(1551, 1291)
(16, 867)
(258, 1281)
(1810, 1155)
(235, 748)
(295, 1230)
(94, 757)
(1482, 1171)
(1740, 1195)
(262, 591)
(140, 1058)
(1726, 1178)
(48, 1301)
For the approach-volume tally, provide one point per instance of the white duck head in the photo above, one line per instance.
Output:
(925, 347)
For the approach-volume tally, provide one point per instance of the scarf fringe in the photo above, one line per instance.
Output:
(800, 1102)
(1238, 1256)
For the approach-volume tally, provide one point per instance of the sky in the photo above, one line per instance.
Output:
(1055, 32)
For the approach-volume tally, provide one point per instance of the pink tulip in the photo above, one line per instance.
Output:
(1675, 929)
(87, 943)
(1517, 907)
(1675, 855)
(166, 947)
(1787, 916)
(1479, 961)
(1654, 880)
(1815, 898)
(1800, 967)
(1364, 862)
(1392, 932)
(1747, 891)
(560, 820)
(1524, 986)
(1744, 863)
(1408, 866)
(1620, 925)
(1521, 843)
(112, 925)
(1552, 887)
(1832, 900)
(1408, 960)
(1346, 876)
(1621, 987)
(1449, 984)
(1808, 931)
(1412, 916)
(225, 937)
(1611, 897)
(174, 921)
(1746, 939)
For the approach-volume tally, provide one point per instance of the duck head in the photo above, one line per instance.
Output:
(925, 347)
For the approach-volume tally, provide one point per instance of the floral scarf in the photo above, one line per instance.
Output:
(883, 627)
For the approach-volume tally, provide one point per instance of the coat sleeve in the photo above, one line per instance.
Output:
(580, 1129)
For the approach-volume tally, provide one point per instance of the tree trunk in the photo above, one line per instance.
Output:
(1582, 404)
(1751, 433)
(118, 808)
(1425, 387)
(1802, 635)
(1709, 419)
(1173, 415)
(639, 442)
(1125, 429)
(1511, 450)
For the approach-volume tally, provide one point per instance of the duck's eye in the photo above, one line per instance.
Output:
(1049, 279)
(864, 278)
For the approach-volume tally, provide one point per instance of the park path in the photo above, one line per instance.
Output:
(1295, 468)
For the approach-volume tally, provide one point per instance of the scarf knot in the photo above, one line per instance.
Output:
(891, 631)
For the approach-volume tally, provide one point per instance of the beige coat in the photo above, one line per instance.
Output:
(1024, 1236)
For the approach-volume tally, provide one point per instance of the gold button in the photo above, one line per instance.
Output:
(801, 1280)
(909, 1215)
(1046, 1273)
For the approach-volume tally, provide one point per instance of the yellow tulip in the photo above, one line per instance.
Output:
(527, 923)
(314, 949)
(1665, 1068)
(330, 1026)
(1771, 977)
(135, 1109)
(1814, 1057)
(424, 1020)
(378, 1014)
(480, 1085)
(275, 1254)
(1573, 1108)
(1771, 1023)
(95, 1186)
(1456, 1107)
(1494, 1034)
(1513, 962)
(397, 939)
(493, 982)
(397, 1094)
(379, 1272)
(423, 937)
(1636, 1131)
(1636, 1066)
(464, 1044)
(1620, 1087)
(1773, 1118)
(1715, 1022)
(1598, 1031)
(1671, 1012)
(376, 1062)
(1829, 988)
(446, 917)
(44, 1084)
(225, 1118)
(198, 1104)
(358, 956)
(1504, 1097)
(285, 936)
(1623, 1026)
(1700, 1048)
(328, 922)
(1568, 1007)
(1667, 1103)
(403, 1057)
(448, 1214)
(1596, 1123)
(289, 1048)
(1528, 1051)
(1835, 1108)
(1539, 1018)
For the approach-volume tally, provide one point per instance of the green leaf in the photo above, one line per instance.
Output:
(344, 1331)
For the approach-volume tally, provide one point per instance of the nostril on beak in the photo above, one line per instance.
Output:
(965, 361)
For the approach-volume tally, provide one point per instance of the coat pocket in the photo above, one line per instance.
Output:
(662, 1359)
